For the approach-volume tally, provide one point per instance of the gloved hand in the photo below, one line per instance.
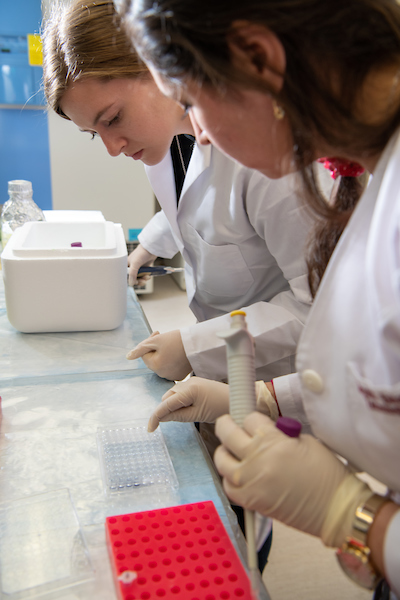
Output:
(137, 259)
(203, 400)
(164, 354)
(298, 481)
(197, 399)
(266, 403)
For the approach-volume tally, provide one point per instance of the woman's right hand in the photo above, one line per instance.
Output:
(298, 481)
(195, 400)
(138, 258)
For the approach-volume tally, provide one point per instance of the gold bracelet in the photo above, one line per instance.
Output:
(354, 555)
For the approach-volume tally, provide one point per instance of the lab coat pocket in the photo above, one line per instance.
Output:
(219, 270)
(379, 397)
(374, 425)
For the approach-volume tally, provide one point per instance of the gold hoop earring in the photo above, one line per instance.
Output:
(279, 112)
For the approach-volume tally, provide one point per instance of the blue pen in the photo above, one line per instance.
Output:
(159, 270)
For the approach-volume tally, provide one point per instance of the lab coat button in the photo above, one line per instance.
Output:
(312, 380)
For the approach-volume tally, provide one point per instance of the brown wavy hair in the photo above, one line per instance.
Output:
(185, 39)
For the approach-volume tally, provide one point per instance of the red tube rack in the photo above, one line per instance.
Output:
(181, 553)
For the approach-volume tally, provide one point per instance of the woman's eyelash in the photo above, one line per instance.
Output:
(108, 124)
(114, 120)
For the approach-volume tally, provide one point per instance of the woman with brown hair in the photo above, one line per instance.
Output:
(278, 84)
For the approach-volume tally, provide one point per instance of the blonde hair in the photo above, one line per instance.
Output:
(85, 40)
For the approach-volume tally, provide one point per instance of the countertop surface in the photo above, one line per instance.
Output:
(58, 391)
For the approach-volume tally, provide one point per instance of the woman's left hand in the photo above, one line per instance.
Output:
(290, 479)
(164, 354)
(197, 399)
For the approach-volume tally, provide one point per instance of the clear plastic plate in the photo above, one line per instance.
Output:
(41, 546)
(133, 459)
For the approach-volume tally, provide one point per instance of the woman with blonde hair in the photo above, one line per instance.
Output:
(241, 234)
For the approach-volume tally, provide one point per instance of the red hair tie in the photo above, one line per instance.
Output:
(344, 168)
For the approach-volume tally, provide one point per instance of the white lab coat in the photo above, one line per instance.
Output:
(348, 387)
(242, 237)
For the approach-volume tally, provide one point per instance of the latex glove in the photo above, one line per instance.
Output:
(164, 354)
(137, 259)
(197, 399)
(295, 480)
(266, 403)
(203, 401)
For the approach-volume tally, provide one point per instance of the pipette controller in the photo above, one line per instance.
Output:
(242, 401)
(241, 369)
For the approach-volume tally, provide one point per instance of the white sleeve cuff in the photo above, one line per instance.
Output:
(288, 393)
(157, 237)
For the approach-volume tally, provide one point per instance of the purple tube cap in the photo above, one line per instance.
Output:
(76, 244)
(291, 427)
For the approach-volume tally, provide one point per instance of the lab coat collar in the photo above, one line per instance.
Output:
(162, 181)
(199, 162)
(161, 176)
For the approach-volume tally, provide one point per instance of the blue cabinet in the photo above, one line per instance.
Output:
(20, 83)
(24, 137)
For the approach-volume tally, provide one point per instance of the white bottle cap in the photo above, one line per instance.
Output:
(19, 185)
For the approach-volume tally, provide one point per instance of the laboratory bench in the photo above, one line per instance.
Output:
(59, 392)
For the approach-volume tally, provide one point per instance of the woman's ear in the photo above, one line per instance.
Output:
(257, 51)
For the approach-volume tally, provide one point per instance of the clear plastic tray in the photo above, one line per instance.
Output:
(42, 549)
(134, 460)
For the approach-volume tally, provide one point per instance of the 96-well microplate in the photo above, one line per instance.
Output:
(177, 553)
(133, 459)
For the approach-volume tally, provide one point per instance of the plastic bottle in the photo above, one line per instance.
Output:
(19, 208)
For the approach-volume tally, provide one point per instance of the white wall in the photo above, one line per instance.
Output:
(85, 176)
